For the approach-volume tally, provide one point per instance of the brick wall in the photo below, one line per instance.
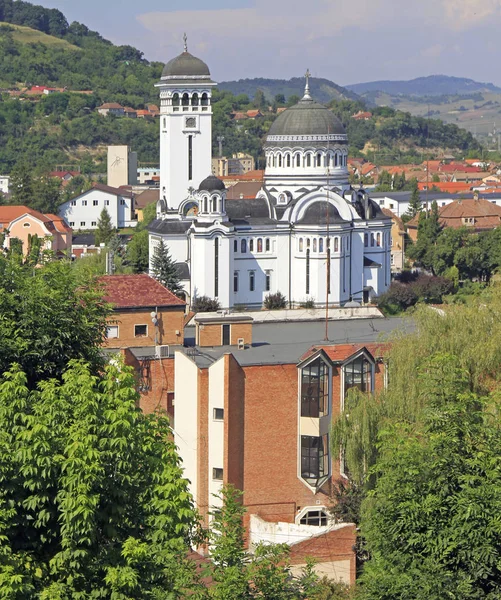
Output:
(211, 334)
(169, 322)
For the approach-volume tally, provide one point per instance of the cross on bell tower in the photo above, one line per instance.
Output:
(185, 40)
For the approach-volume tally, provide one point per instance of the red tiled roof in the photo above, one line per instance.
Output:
(341, 352)
(9, 213)
(446, 186)
(59, 223)
(470, 208)
(137, 291)
(254, 113)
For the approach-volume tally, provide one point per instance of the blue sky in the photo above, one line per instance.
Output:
(341, 40)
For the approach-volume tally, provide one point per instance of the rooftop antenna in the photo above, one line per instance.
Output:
(185, 39)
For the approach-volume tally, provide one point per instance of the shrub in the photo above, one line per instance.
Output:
(308, 303)
(398, 294)
(205, 304)
(431, 289)
(275, 301)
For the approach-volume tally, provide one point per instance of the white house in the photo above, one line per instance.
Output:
(4, 184)
(307, 233)
(83, 211)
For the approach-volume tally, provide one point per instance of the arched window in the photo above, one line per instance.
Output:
(328, 242)
(267, 245)
(165, 123)
(335, 159)
(279, 160)
(372, 239)
(366, 239)
(336, 244)
(288, 158)
(175, 99)
(301, 245)
(259, 244)
(243, 246)
(214, 204)
(314, 244)
(298, 160)
(194, 99)
(205, 99)
(186, 99)
(251, 245)
(206, 204)
(319, 160)
(326, 160)
(321, 245)
(235, 245)
(378, 238)
(308, 160)
(307, 243)
(274, 160)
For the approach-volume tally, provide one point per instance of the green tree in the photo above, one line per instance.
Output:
(138, 251)
(93, 503)
(415, 205)
(431, 524)
(292, 100)
(429, 229)
(164, 268)
(22, 187)
(259, 99)
(279, 99)
(105, 229)
(49, 316)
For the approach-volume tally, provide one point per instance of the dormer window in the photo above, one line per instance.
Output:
(315, 389)
(358, 373)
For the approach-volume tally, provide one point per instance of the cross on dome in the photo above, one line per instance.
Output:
(185, 39)
(307, 76)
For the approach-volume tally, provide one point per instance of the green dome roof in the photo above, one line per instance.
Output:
(186, 65)
(307, 117)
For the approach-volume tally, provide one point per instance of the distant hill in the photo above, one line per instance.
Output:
(434, 85)
(322, 90)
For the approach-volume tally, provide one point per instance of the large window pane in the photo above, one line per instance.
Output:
(358, 374)
(314, 389)
(314, 458)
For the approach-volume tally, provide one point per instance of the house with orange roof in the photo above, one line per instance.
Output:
(254, 114)
(362, 116)
(23, 223)
(453, 187)
(111, 108)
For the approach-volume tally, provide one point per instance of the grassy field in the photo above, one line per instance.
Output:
(26, 35)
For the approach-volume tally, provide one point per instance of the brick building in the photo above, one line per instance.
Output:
(145, 313)
(259, 418)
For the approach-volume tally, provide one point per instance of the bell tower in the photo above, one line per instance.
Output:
(185, 128)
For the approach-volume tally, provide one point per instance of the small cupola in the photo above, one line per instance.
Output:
(212, 197)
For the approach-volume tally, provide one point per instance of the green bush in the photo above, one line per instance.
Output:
(308, 303)
(205, 304)
(275, 301)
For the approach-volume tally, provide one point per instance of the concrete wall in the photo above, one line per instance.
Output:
(83, 212)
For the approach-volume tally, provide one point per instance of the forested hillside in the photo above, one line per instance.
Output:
(39, 47)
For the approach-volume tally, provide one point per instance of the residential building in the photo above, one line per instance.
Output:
(148, 175)
(397, 241)
(111, 108)
(362, 116)
(4, 184)
(122, 166)
(145, 313)
(143, 200)
(129, 112)
(476, 213)
(64, 176)
(23, 223)
(83, 211)
(306, 233)
(238, 164)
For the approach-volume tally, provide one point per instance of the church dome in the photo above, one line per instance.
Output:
(316, 214)
(211, 184)
(307, 117)
(186, 65)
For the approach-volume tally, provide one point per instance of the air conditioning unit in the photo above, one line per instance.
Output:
(162, 351)
(241, 343)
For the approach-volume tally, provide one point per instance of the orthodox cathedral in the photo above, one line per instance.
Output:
(307, 234)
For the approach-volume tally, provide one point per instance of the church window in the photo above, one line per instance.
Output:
(335, 159)
(175, 99)
(279, 160)
(235, 282)
(190, 157)
(252, 281)
(259, 244)
(321, 245)
(366, 239)
(205, 99)
(274, 160)
(243, 246)
(251, 245)
(214, 203)
(267, 284)
(319, 160)
(267, 245)
(308, 271)
(308, 160)
(185, 100)
(235, 245)
(194, 100)
(378, 239)
(288, 160)
(216, 267)
(336, 244)
(308, 243)
(300, 244)
(298, 160)
(206, 200)
(314, 244)
(165, 123)
(372, 239)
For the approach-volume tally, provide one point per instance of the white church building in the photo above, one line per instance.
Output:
(307, 233)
